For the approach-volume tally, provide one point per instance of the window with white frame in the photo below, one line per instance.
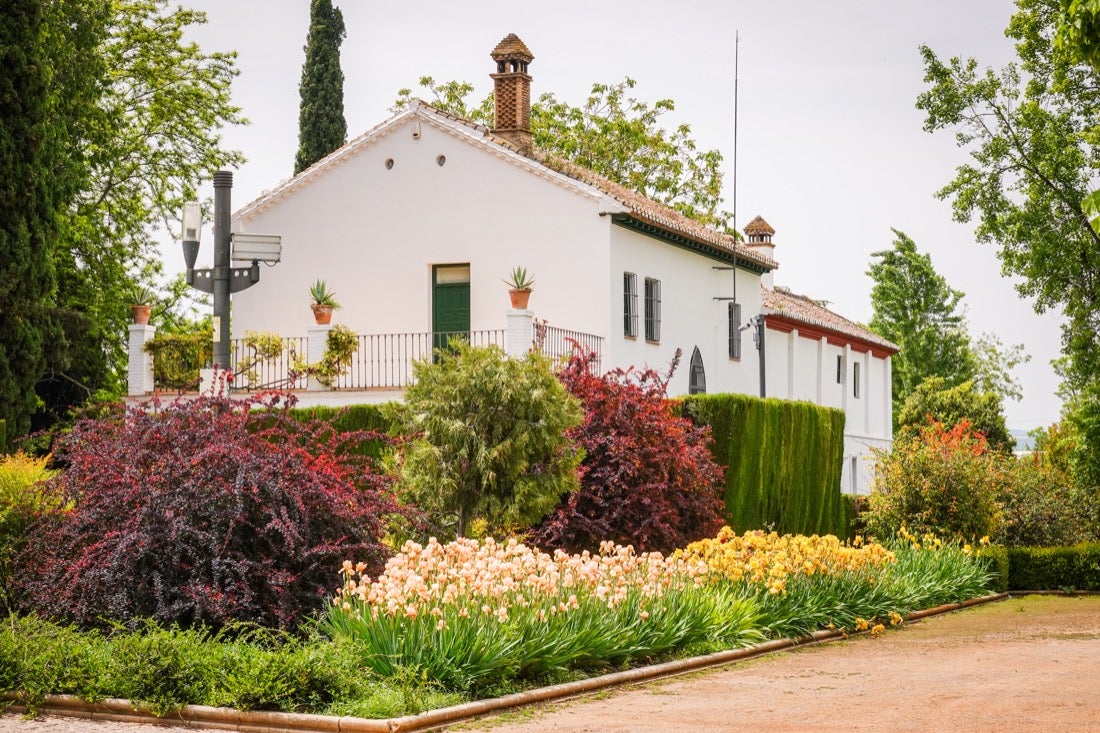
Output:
(652, 309)
(630, 305)
(855, 379)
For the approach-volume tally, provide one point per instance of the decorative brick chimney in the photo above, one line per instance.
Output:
(758, 235)
(512, 92)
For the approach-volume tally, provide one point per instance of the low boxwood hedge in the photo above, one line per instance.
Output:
(1054, 568)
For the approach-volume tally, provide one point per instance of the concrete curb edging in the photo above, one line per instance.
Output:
(260, 721)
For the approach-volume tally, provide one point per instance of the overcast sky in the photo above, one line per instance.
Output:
(830, 146)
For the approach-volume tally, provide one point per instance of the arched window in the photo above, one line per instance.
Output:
(697, 376)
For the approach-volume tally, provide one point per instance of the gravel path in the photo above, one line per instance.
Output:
(1025, 664)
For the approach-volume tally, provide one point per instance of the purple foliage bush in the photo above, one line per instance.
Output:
(648, 478)
(204, 512)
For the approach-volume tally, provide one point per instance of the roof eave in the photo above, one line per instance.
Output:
(631, 220)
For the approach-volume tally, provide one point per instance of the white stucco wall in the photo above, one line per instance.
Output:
(801, 367)
(693, 313)
(373, 234)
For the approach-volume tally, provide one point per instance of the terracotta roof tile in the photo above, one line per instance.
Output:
(759, 225)
(806, 310)
(646, 209)
(511, 47)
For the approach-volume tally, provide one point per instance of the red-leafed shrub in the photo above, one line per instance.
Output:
(204, 513)
(647, 478)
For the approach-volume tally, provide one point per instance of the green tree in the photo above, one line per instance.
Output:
(613, 134)
(1031, 131)
(934, 399)
(132, 129)
(321, 124)
(491, 441)
(914, 307)
(30, 199)
(151, 141)
(1079, 30)
(993, 365)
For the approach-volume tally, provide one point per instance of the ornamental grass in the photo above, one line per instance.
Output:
(472, 614)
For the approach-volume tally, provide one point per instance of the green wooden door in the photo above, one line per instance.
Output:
(450, 303)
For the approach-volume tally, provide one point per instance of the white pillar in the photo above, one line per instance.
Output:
(521, 332)
(792, 357)
(888, 398)
(213, 383)
(317, 340)
(139, 370)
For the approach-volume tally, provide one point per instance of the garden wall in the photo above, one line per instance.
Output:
(783, 462)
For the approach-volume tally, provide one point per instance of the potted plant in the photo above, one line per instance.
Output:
(519, 287)
(142, 306)
(324, 302)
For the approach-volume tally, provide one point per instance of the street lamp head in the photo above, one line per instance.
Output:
(192, 222)
(192, 231)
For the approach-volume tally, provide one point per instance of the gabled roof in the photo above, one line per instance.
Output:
(784, 310)
(626, 207)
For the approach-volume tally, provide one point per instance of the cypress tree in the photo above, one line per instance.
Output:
(28, 210)
(321, 124)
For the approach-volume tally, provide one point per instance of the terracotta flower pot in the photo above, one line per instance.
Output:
(322, 313)
(141, 313)
(519, 298)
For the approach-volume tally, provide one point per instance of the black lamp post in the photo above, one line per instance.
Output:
(224, 279)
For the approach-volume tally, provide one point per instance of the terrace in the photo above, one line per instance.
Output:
(380, 369)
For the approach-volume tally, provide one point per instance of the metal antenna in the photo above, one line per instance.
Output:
(736, 54)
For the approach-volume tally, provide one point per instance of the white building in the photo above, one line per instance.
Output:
(415, 223)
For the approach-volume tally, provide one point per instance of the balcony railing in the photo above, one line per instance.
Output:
(384, 360)
(381, 361)
(253, 373)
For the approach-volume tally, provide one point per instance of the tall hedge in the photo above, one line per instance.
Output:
(783, 462)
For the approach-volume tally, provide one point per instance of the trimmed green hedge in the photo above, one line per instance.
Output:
(996, 558)
(383, 418)
(783, 462)
(1054, 568)
(178, 357)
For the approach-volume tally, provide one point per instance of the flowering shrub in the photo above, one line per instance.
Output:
(203, 513)
(22, 499)
(647, 478)
(802, 584)
(470, 613)
(768, 559)
(940, 481)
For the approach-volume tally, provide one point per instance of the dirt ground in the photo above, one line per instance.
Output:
(1025, 664)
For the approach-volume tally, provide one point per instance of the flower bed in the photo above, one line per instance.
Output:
(446, 622)
(472, 614)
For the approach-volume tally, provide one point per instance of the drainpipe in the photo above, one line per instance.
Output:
(760, 348)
